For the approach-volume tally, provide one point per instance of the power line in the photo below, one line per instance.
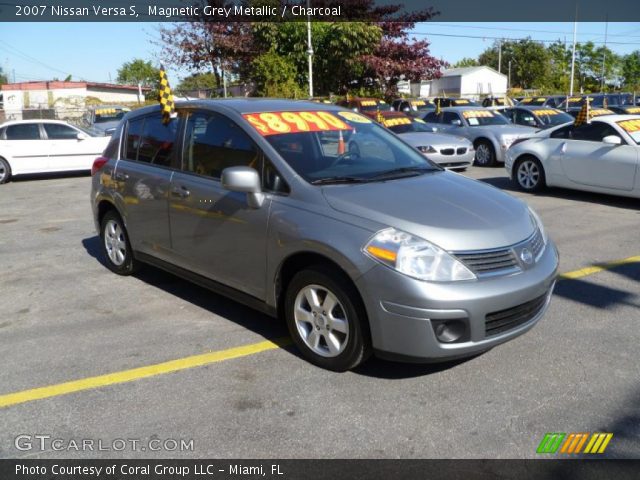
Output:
(29, 58)
(477, 27)
(489, 37)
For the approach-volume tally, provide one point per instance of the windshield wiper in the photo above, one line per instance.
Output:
(338, 179)
(401, 172)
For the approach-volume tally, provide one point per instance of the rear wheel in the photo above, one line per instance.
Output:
(5, 171)
(529, 174)
(115, 245)
(326, 319)
(485, 154)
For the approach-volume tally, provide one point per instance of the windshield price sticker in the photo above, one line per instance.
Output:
(368, 103)
(540, 99)
(545, 112)
(275, 123)
(419, 120)
(527, 100)
(630, 126)
(575, 99)
(633, 110)
(461, 102)
(600, 111)
(354, 117)
(418, 103)
(394, 122)
(477, 113)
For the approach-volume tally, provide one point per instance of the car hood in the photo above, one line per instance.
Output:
(418, 139)
(518, 130)
(452, 211)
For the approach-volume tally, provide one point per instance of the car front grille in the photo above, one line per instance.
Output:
(447, 151)
(537, 244)
(483, 263)
(505, 320)
(461, 150)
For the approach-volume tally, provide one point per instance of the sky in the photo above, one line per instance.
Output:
(95, 51)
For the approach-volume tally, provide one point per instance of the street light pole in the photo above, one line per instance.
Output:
(573, 54)
(309, 51)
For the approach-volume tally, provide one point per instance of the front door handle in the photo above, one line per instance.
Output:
(563, 148)
(180, 192)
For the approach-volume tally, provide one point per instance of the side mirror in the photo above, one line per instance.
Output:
(81, 136)
(244, 179)
(612, 140)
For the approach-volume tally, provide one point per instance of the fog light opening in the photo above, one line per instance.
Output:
(450, 331)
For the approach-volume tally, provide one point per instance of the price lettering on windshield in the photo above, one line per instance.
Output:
(275, 123)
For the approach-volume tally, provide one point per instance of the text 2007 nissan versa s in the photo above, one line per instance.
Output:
(320, 215)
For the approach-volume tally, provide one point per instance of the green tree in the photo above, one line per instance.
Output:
(559, 67)
(198, 81)
(631, 70)
(529, 62)
(466, 62)
(275, 75)
(140, 71)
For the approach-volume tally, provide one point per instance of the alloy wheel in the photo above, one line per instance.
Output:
(115, 242)
(321, 321)
(528, 174)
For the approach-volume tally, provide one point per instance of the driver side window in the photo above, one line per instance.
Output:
(451, 118)
(593, 132)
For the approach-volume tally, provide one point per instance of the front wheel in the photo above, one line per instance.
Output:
(5, 171)
(116, 247)
(530, 174)
(326, 319)
(485, 154)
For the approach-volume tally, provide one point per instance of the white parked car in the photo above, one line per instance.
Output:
(601, 156)
(39, 146)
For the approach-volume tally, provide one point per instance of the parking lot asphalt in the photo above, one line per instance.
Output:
(65, 317)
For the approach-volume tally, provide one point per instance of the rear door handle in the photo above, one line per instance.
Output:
(121, 177)
(180, 192)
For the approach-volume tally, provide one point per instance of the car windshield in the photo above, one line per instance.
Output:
(372, 106)
(536, 101)
(421, 105)
(338, 147)
(552, 117)
(479, 118)
(632, 127)
(572, 102)
(626, 99)
(414, 125)
(109, 115)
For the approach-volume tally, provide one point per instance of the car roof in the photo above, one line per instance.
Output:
(535, 107)
(246, 105)
(33, 120)
(616, 118)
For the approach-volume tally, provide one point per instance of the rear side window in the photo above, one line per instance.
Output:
(60, 132)
(157, 141)
(134, 133)
(213, 142)
(563, 132)
(450, 117)
(431, 117)
(23, 131)
(112, 147)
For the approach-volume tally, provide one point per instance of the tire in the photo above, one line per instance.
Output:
(485, 154)
(115, 245)
(337, 339)
(5, 171)
(529, 174)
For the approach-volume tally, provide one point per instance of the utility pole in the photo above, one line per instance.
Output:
(573, 54)
(309, 51)
(509, 77)
(604, 51)
(500, 55)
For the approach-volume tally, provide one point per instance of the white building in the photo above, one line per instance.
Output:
(66, 99)
(470, 82)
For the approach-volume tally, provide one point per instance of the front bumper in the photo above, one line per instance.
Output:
(401, 309)
(454, 160)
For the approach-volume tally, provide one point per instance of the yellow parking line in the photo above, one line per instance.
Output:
(141, 372)
(211, 357)
(585, 272)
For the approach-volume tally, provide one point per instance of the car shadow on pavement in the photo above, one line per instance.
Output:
(595, 295)
(264, 325)
(504, 183)
(50, 176)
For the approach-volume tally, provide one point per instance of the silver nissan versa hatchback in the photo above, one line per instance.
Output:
(317, 214)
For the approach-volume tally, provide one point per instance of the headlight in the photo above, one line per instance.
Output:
(415, 257)
(538, 224)
(427, 149)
